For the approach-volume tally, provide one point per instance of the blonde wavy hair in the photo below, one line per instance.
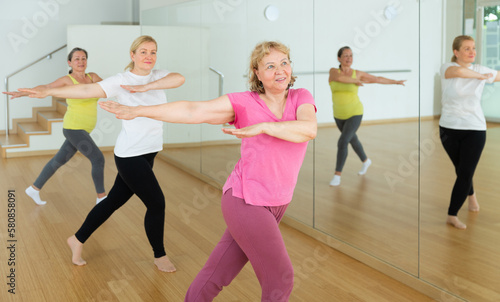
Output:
(135, 45)
(259, 52)
(457, 43)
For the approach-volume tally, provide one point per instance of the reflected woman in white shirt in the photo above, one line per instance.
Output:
(462, 124)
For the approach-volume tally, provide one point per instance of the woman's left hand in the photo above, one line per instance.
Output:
(249, 131)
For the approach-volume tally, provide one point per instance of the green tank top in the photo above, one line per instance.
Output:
(346, 103)
(81, 113)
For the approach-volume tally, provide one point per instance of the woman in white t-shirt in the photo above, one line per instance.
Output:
(462, 124)
(136, 147)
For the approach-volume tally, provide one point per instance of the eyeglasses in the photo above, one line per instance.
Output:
(285, 64)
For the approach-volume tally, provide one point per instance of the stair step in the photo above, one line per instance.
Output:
(32, 128)
(51, 115)
(39, 124)
(12, 141)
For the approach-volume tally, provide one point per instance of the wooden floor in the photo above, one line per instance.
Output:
(120, 261)
(397, 211)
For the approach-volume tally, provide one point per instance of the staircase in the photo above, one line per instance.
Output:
(39, 124)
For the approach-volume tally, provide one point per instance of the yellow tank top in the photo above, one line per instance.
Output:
(345, 99)
(81, 113)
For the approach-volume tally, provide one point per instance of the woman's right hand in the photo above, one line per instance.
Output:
(122, 112)
(15, 94)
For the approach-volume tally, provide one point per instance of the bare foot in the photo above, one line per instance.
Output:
(76, 248)
(164, 264)
(473, 204)
(453, 220)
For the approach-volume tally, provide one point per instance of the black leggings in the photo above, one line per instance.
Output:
(464, 147)
(348, 136)
(135, 176)
(76, 140)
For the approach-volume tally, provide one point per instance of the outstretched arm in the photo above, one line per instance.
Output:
(62, 81)
(171, 80)
(301, 130)
(82, 91)
(217, 111)
(462, 72)
(371, 79)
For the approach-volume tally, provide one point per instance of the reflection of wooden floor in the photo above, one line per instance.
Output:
(385, 211)
(379, 212)
(376, 212)
(120, 266)
(466, 262)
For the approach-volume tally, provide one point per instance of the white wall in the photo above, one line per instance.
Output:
(151, 4)
(29, 29)
(242, 23)
(432, 42)
(378, 44)
(107, 60)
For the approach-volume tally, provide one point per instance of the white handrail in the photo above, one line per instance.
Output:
(221, 80)
(7, 113)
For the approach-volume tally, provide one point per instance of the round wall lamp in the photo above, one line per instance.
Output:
(390, 12)
(272, 13)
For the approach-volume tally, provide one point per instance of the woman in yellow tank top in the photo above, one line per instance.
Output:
(348, 109)
(80, 119)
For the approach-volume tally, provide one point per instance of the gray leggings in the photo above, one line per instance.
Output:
(76, 140)
(348, 135)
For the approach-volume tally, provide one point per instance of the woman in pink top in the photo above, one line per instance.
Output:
(275, 124)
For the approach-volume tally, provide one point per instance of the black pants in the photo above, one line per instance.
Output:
(348, 136)
(464, 147)
(76, 140)
(135, 176)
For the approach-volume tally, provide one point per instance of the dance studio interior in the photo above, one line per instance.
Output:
(381, 236)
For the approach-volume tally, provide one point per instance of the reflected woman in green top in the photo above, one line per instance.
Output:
(348, 109)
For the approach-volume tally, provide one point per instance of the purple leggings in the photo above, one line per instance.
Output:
(253, 235)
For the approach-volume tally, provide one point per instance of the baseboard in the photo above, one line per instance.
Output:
(44, 152)
(387, 121)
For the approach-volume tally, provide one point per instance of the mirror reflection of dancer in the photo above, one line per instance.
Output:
(462, 124)
(348, 109)
(79, 120)
(275, 124)
(136, 147)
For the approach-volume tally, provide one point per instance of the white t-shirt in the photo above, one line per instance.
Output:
(140, 135)
(461, 99)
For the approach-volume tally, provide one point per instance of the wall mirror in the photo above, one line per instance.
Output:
(465, 263)
(376, 212)
(396, 212)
